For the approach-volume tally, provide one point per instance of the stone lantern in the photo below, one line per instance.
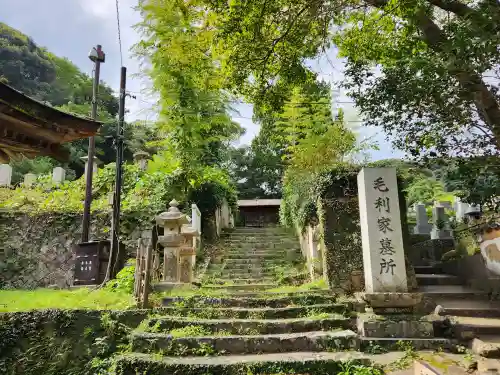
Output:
(187, 254)
(172, 222)
(141, 158)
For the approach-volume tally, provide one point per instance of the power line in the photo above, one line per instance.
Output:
(119, 31)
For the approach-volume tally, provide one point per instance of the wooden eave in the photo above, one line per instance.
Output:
(31, 128)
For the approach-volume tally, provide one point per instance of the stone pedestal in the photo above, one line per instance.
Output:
(29, 180)
(381, 231)
(59, 175)
(187, 254)
(5, 175)
(171, 221)
(392, 303)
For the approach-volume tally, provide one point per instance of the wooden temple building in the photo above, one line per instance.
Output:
(31, 128)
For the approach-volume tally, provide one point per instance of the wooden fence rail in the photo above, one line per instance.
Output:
(143, 267)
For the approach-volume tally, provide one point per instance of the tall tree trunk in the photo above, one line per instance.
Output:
(472, 83)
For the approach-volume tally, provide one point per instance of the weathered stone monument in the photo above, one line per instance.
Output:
(386, 283)
(5, 175)
(29, 179)
(171, 221)
(423, 226)
(381, 232)
(58, 175)
(441, 229)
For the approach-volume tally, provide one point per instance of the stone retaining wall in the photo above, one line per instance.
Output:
(37, 251)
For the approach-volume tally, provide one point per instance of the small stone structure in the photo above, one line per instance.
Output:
(5, 175)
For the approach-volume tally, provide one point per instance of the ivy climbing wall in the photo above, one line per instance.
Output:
(338, 213)
(37, 250)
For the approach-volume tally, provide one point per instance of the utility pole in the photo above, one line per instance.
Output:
(97, 56)
(115, 223)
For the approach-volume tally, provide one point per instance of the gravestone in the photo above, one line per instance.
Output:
(381, 231)
(423, 226)
(5, 174)
(460, 209)
(29, 179)
(440, 229)
(58, 175)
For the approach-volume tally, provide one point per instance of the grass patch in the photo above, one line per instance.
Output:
(190, 331)
(317, 284)
(83, 298)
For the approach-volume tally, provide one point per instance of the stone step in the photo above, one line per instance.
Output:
(318, 363)
(243, 271)
(252, 261)
(399, 343)
(467, 328)
(242, 266)
(238, 287)
(309, 298)
(472, 312)
(260, 277)
(254, 326)
(440, 279)
(442, 293)
(278, 245)
(427, 270)
(268, 294)
(264, 253)
(316, 341)
(263, 257)
(258, 313)
(256, 280)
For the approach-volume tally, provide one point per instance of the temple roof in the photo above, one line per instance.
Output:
(31, 128)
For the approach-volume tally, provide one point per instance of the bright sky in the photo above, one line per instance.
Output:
(70, 28)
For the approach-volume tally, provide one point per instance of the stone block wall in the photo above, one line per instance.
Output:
(37, 250)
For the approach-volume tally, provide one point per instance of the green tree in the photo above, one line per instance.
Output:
(431, 94)
(195, 121)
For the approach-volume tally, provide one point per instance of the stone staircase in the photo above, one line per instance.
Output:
(236, 325)
(253, 259)
(272, 333)
(470, 315)
(246, 329)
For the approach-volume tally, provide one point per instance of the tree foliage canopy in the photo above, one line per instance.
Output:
(430, 92)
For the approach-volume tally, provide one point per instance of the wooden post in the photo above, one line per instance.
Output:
(147, 274)
(137, 275)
